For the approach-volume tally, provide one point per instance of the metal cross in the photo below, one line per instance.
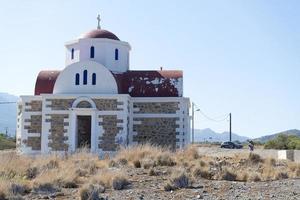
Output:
(99, 19)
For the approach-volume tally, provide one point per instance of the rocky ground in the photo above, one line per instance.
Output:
(151, 187)
(150, 182)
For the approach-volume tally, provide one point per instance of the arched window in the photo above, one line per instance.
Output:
(94, 79)
(116, 54)
(85, 77)
(72, 54)
(92, 52)
(77, 79)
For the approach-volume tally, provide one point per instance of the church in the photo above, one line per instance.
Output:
(97, 102)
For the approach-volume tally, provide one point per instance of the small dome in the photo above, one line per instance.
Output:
(100, 33)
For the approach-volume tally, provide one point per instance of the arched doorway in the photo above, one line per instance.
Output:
(83, 123)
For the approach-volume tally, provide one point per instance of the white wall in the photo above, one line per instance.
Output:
(105, 82)
(104, 52)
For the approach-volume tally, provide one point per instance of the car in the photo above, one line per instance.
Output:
(231, 145)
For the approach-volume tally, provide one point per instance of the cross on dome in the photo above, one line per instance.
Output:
(99, 19)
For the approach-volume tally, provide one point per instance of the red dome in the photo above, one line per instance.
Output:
(100, 33)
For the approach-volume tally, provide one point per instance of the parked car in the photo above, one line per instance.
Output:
(231, 145)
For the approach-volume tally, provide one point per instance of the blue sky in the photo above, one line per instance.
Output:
(237, 56)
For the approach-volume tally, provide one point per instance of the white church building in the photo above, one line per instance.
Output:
(97, 102)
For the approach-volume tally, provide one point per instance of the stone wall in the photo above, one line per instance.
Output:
(155, 107)
(158, 131)
(35, 126)
(107, 104)
(34, 106)
(59, 104)
(57, 138)
(108, 139)
(33, 142)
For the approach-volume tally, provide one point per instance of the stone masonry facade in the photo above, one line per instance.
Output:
(116, 122)
(155, 107)
(159, 131)
(57, 138)
(34, 126)
(110, 126)
(107, 104)
(60, 104)
(34, 106)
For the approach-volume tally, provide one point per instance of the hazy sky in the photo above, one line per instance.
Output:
(237, 56)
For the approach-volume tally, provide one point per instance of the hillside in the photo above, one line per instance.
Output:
(8, 113)
(202, 135)
(266, 138)
(7, 142)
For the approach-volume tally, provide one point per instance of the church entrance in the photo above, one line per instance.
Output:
(83, 131)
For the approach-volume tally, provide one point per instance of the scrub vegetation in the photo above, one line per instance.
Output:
(92, 178)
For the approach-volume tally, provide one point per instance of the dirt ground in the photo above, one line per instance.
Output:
(146, 186)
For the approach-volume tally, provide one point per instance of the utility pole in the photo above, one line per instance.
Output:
(193, 105)
(230, 127)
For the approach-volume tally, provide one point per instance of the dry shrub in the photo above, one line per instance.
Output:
(82, 172)
(179, 179)
(122, 161)
(119, 182)
(13, 165)
(202, 173)
(19, 189)
(168, 187)
(139, 152)
(111, 179)
(152, 172)
(66, 177)
(137, 164)
(271, 162)
(189, 154)
(228, 175)
(165, 159)
(254, 158)
(148, 163)
(255, 177)
(281, 175)
(13, 190)
(91, 192)
(202, 163)
(31, 172)
(243, 177)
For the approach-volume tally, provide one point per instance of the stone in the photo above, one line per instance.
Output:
(156, 107)
(35, 106)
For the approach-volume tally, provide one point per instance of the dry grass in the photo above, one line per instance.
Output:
(179, 179)
(47, 174)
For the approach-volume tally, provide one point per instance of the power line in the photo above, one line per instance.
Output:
(7, 102)
(224, 117)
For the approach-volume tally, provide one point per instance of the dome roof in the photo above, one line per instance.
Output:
(100, 33)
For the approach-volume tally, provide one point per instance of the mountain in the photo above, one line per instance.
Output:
(202, 135)
(266, 138)
(8, 113)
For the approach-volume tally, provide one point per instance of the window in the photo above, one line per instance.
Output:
(77, 79)
(116, 54)
(84, 77)
(94, 79)
(92, 52)
(72, 54)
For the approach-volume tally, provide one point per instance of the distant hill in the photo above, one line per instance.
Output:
(8, 114)
(266, 138)
(7, 142)
(202, 135)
